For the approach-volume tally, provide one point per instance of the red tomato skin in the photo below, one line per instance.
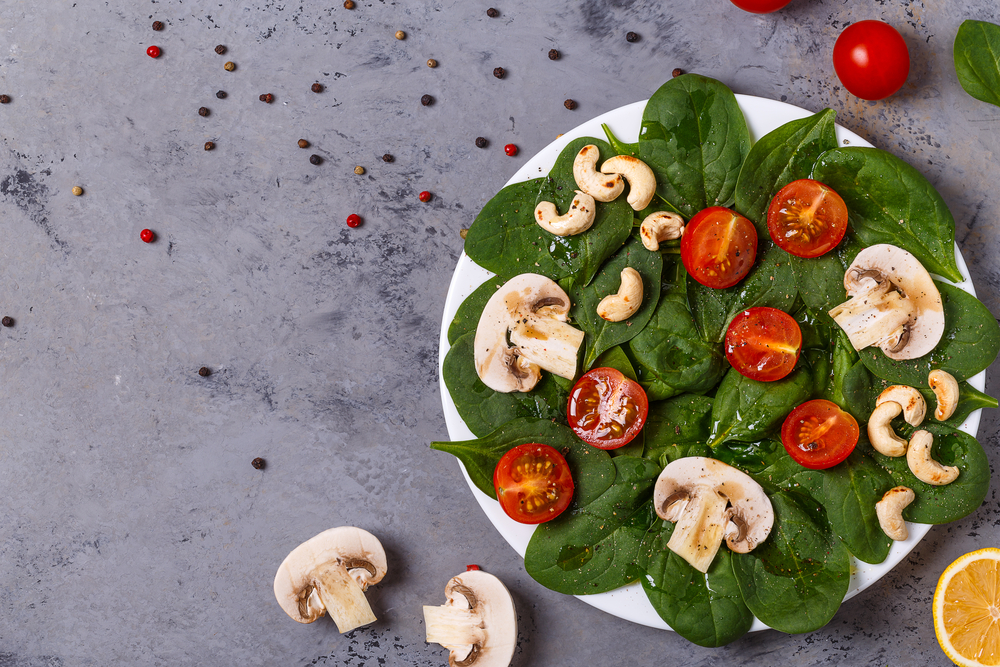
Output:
(832, 206)
(843, 433)
(507, 487)
(762, 326)
(760, 6)
(871, 59)
(617, 385)
(702, 231)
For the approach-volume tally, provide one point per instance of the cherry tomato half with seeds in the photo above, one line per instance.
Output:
(763, 343)
(718, 247)
(607, 409)
(533, 483)
(807, 218)
(871, 59)
(819, 435)
(760, 6)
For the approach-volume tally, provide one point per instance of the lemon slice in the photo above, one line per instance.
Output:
(967, 609)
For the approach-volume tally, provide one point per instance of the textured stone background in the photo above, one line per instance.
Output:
(133, 529)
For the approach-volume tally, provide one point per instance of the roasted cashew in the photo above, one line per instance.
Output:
(912, 401)
(945, 388)
(624, 304)
(880, 432)
(660, 226)
(890, 512)
(576, 220)
(602, 187)
(641, 181)
(923, 467)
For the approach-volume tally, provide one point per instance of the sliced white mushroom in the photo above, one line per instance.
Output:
(623, 305)
(710, 501)
(894, 304)
(576, 220)
(477, 624)
(602, 187)
(641, 180)
(880, 433)
(923, 467)
(946, 390)
(660, 226)
(911, 401)
(889, 511)
(532, 311)
(329, 573)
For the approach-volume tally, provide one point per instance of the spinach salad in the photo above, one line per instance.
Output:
(695, 138)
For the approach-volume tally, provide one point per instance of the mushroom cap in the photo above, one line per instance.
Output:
(491, 601)
(909, 276)
(357, 550)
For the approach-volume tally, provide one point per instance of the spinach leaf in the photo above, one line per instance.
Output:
(888, 201)
(695, 138)
(706, 609)
(619, 146)
(850, 491)
(770, 283)
(941, 504)
(820, 280)
(746, 409)
(682, 419)
(750, 457)
(593, 472)
(857, 392)
(602, 334)
(468, 313)
(595, 548)
(969, 400)
(796, 580)
(671, 356)
(484, 409)
(977, 60)
(970, 343)
(779, 157)
(506, 240)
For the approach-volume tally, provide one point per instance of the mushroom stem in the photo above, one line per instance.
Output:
(335, 590)
(875, 315)
(699, 531)
(458, 630)
(548, 343)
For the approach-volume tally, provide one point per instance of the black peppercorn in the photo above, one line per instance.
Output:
(499, 72)
(258, 463)
(481, 142)
(631, 37)
(221, 94)
(204, 371)
(426, 100)
(492, 13)
(157, 25)
(7, 321)
(387, 158)
(209, 145)
(348, 4)
(569, 104)
(315, 159)
(4, 99)
(677, 72)
(267, 97)
(220, 49)
(303, 143)
(203, 111)
(553, 54)
(317, 87)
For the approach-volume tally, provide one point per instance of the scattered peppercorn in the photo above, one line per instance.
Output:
(303, 143)
(424, 196)
(221, 94)
(317, 87)
(426, 100)
(510, 149)
(153, 52)
(463, 233)
(220, 49)
(315, 159)
(570, 104)
(498, 72)
(387, 158)
(230, 66)
(353, 220)
(204, 371)
(203, 111)
(677, 72)
(432, 63)
(7, 321)
(470, 568)
(157, 25)
(553, 54)
(359, 170)
(348, 4)
(400, 34)
(267, 97)
(147, 235)
(4, 99)
(77, 190)
(481, 142)
(258, 463)
(631, 37)
(492, 13)
(209, 145)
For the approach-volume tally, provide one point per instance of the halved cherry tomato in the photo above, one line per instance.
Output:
(533, 483)
(718, 247)
(763, 343)
(807, 218)
(818, 434)
(607, 409)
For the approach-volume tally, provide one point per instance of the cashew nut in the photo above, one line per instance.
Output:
(641, 181)
(912, 401)
(923, 467)
(624, 304)
(602, 187)
(660, 226)
(890, 512)
(945, 388)
(576, 220)
(880, 432)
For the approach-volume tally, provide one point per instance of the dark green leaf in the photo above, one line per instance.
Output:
(750, 457)
(857, 392)
(680, 420)
(850, 491)
(619, 147)
(820, 280)
(977, 60)
(746, 409)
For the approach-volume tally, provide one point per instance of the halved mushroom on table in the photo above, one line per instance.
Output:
(329, 573)
(477, 624)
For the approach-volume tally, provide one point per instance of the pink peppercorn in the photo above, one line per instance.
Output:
(353, 220)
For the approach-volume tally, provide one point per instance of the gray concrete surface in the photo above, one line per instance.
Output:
(133, 530)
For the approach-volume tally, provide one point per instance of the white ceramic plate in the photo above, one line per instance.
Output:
(630, 602)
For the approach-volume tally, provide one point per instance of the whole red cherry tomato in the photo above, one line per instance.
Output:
(533, 483)
(763, 343)
(607, 409)
(806, 218)
(760, 6)
(718, 247)
(871, 59)
(819, 435)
